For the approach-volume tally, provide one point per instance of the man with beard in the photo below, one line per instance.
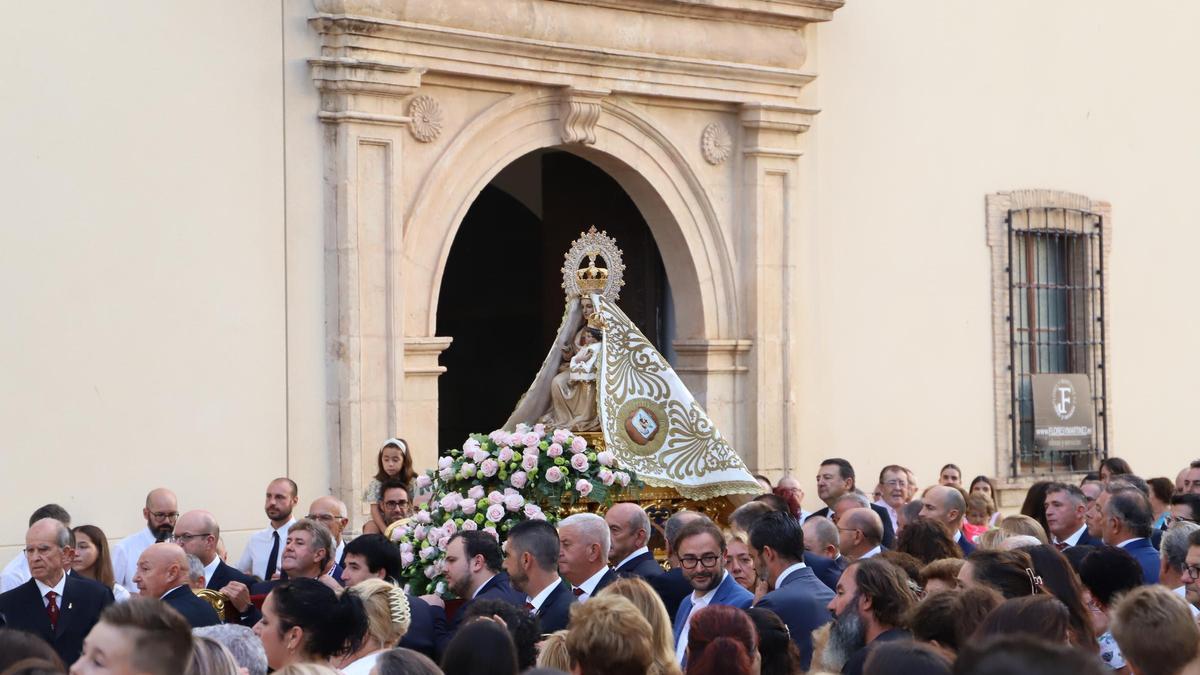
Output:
(796, 595)
(700, 547)
(262, 555)
(161, 511)
(671, 586)
(531, 560)
(872, 598)
(835, 479)
(473, 562)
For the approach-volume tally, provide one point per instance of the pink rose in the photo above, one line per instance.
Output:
(434, 535)
(579, 444)
(501, 437)
(443, 542)
(529, 463)
(531, 439)
(449, 528)
(445, 462)
(531, 451)
(539, 429)
(430, 572)
(475, 493)
(423, 482)
(471, 445)
(555, 450)
(489, 467)
(506, 454)
(398, 533)
(450, 501)
(514, 502)
(519, 479)
(423, 517)
(554, 474)
(622, 478)
(495, 497)
(561, 435)
(532, 512)
(468, 469)
(406, 547)
(606, 458)
(469, 526)
(579, 462)
(427, 553)
(583, 487)
(509, 491)
(419, 532)
(606, 476)
(522, 428)
(468, 507)
(495, 513)
(407, 558)
(492, 531)
(446, 473)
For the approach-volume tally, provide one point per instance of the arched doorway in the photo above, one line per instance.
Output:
(500, 297)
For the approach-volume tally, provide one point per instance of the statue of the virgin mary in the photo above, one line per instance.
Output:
(602, 375)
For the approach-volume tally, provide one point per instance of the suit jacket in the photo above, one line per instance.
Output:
(79, 609)
(427, 632)
(496, 588)
(1086, 539)
(965, 545)
(889, 533)
(609, 577)
(555, 612)
(800, 601)
(1147, 557)
(227, 573)
(672, 588)
(730, 592)
(644, 566)
(197, 612)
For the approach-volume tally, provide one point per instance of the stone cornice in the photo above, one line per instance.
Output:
(794, 13)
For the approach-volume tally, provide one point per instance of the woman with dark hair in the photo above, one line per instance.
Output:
(950, 475)
(1041, 616)
(1035, 503)
(1113, 466)
(1010, 572)
(1060, 579)
(721, 641)
(928, 540)
(777, 651)
(93, 559)
(910, 658)
(401, 661)
(1161, 490)
(304, 621)
(1106, 573)
(481, 647)
(987, 486)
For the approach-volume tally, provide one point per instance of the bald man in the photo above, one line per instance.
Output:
(860, 532)
(629, 531)
(198, 534)
(332, 513)
(161, 511)
(162, 572)
(946, 505)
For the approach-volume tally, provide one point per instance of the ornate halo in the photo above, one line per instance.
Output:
(589, 247)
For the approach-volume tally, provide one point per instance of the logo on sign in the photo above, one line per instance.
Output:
(1064, 399)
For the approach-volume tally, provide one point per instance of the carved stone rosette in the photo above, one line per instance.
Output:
(426, 115)
(715, 143)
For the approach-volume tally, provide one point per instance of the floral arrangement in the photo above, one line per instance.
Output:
(496, 481)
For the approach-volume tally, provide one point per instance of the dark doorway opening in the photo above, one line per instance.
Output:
(501, 297)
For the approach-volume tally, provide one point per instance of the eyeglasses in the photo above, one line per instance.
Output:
(708, 560)
(1192, 571)
(324, 517)
(172, 515)
(185, 537)
(1178, 519)
(896, 483)
(396, 505)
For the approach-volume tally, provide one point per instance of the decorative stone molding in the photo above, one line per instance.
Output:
(425, 115)
(715, 143)
(580, 113)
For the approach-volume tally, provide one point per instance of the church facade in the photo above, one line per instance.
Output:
(253, 231)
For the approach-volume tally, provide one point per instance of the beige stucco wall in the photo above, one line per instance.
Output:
(926, 108)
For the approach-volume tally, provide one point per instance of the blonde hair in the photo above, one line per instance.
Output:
(388, 613)
(609, 636)
(1155, 629)
(1019, 524)
(306, 669)
(990, 540)
(646, 599)
(981, 502)
(554, 652)
(210, 657)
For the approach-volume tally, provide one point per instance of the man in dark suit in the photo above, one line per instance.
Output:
(372, 556)
(1126, 520)
(822, 552)
(796, 595)
(473, 572)
(197, 532)
(307, 553)
(835, 479)
(60, 608)
(671, 585)
(1066, 511)
(583, 554)
(629, 530)
(947, 506)
(531, 560)
(700, 546)
(162, 572)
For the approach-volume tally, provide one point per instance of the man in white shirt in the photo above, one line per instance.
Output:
(701, 549)
(859, 534)
(265, 548)
(894, 482)
(629, 530)
(1066, 508)
(16, 572)
(331, 512)
(306, 554)
(161, 511)
(583, 554)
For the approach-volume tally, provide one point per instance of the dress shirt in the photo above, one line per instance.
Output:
(211, 568)
(362, 666)
(631, 556)
(1072, 540)
(254, 558)
(172, 590)
(126, 554)
(699, 602)
(485, 583)
(872, 553)
(341, 550)
(1182, 592)
(784, 574)
(891, 514)
(538, 599)
(589, 585)
(119, 593)
(1128, 542)
(57, 588)
(16, 572)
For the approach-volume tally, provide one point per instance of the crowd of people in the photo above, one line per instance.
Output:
(1089, 578)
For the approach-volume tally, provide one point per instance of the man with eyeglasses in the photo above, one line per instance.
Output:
(331, 512)
(700, 547)
(1184, 509)
(860, 532)
(394, 504)
(197, 532)
(161, 511)
(894, 481)
(1066, 507)
(1173, 556)
(1191, 569)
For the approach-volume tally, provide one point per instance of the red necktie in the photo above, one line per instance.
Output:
(52, 609)
(529, 607)
(1062, 545)
(577, 591)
